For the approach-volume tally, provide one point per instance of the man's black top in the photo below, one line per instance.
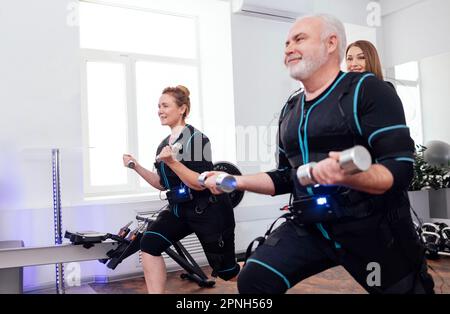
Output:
(357, 109)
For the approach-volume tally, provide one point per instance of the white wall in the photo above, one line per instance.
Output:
(389, 6)
(435, 79)
(40, 107)
(40, 94)
(40, 91)
(261, 82)
(261, 86)
(416, 32)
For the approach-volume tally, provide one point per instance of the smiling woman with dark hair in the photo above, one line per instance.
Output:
(362, 56)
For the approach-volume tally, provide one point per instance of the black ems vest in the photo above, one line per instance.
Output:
(328, 124)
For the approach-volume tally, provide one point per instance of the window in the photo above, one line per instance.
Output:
(137, 30)
(129, 54)
(408, 89)
(106, 96)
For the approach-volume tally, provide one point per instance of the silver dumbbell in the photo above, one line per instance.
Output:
(224, 182)
(131, 164)
(175, 149)
(202, 178)
(353, 160)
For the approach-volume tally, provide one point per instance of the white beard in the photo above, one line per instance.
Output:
(308, 65)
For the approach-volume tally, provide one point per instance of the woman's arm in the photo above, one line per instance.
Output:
(188, 176)
(151, 177)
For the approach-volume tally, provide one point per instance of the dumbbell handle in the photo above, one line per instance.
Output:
(224, 181)
(432, 225)
(353, 160)
(304, 174)
(444, 234)
(202, 178)
(436, 235)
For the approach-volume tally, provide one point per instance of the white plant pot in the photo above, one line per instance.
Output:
(440, 203)
(420, 202)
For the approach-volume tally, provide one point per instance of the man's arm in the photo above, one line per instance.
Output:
(376, 180)
(275, 182)
(258, 183)
(383, 126)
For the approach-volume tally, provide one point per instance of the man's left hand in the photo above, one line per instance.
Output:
(328, 171)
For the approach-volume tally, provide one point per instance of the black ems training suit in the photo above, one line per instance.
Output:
(210, 217)
(378, 234)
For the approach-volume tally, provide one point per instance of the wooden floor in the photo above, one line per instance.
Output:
(332, 281)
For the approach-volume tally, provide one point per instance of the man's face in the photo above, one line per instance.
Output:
(305, 50)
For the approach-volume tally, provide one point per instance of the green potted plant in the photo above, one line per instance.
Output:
(427, 177)
(429, 188)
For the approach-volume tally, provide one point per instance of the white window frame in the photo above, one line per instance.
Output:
(128, 59)
(410, 83)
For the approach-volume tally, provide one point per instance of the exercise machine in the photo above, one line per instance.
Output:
(129, 241)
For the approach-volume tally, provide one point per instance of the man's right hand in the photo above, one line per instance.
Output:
(210, 182)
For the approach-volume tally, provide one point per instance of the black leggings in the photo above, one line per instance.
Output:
(213, 225)
(292, 253)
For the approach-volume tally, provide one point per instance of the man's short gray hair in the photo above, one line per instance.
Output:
(331, 25)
